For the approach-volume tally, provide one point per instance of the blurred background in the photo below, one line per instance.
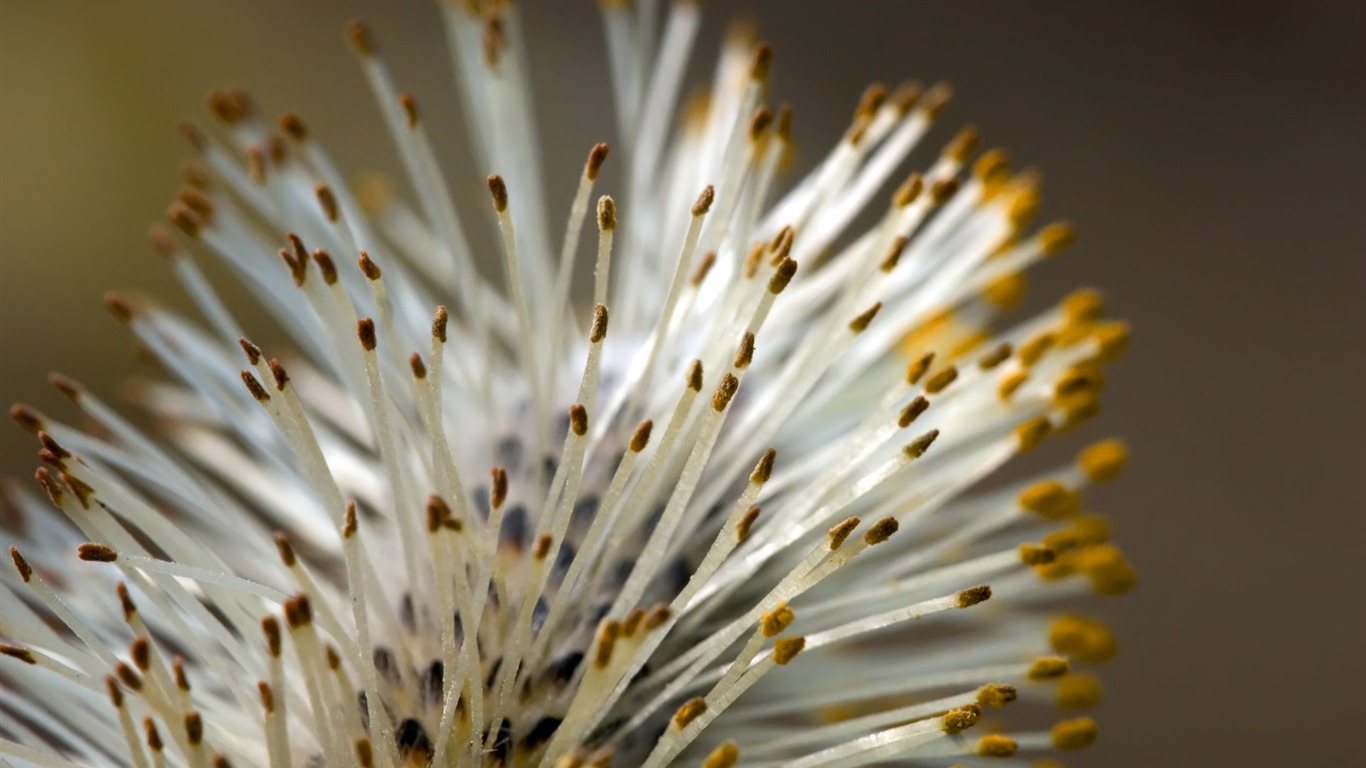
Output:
(1212, 154)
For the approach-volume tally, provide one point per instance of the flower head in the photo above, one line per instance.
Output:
(462, 520)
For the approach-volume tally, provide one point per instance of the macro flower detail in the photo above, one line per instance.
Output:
(729, 511)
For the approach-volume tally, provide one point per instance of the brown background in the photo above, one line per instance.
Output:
(1212, 154)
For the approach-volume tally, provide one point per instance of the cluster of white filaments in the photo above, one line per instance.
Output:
(722, 514)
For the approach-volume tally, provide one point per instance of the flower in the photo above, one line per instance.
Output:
(694, 525)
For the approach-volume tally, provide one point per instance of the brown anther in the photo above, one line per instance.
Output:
(936, 99)
(408, 104)
(252, 351)
(781, 244)
(1055, 238)
(996, 356)
(498, 190)
(760, 62)
(785, 649)
(368, 267)
(267, 696)
(943, 190)
(704, 266)
(745, 526)
(439, 320)
(1010, 383)
(912, 411)
(53, 446)
(278, 372)
(196, 201)
(1049, 668)
(193, 135)
(596, 157)
(974, 595)
(16, 652)
(783, 124)
(326, 266)
(860, 323)
(996, 695)
(182, 681)
(764, 469)
(128, 677)
(153, 735)
(97, 553)
(293, 126)
(872, 98)
(704, 200)
(918, 446)
(1074, 734)
(328, 201)
(750, 268)
(782, 276)
(641, 436)
(841, 531)
(958, 720)
(119, 307)
(1033, 350)
(1033, 554)
(499, 492)
(694, 376)
(141, 652)
(365, 331)
(298, 611)
(598, 331)
(126, 602)
(894, 252)
(607, 641)
(111, 684)
(881, 531)
(437, 513)
(724, 392)
(358, 35)
(194, 728)
(992, 166)
(349, 521)
(607, 213)
(759, 123)
(365, 753)
(996, 745)
(1051, 500)
(1078, 690)
(918, 368)
(21, 565)
(941, 380)
(285, 549)
(254, 387)
(689, 711)
(418, 367)
(744, 354)
(776, 621)
(1032, 432)
(578, 419)
(724, 756)
(963, 144)
(271, 629)
(1111, 340)
(231, 106)
(631, 625)
(658, 614)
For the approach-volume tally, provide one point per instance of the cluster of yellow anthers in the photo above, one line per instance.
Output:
(507, 531)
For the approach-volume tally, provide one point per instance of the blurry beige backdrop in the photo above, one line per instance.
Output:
(1211, 153)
